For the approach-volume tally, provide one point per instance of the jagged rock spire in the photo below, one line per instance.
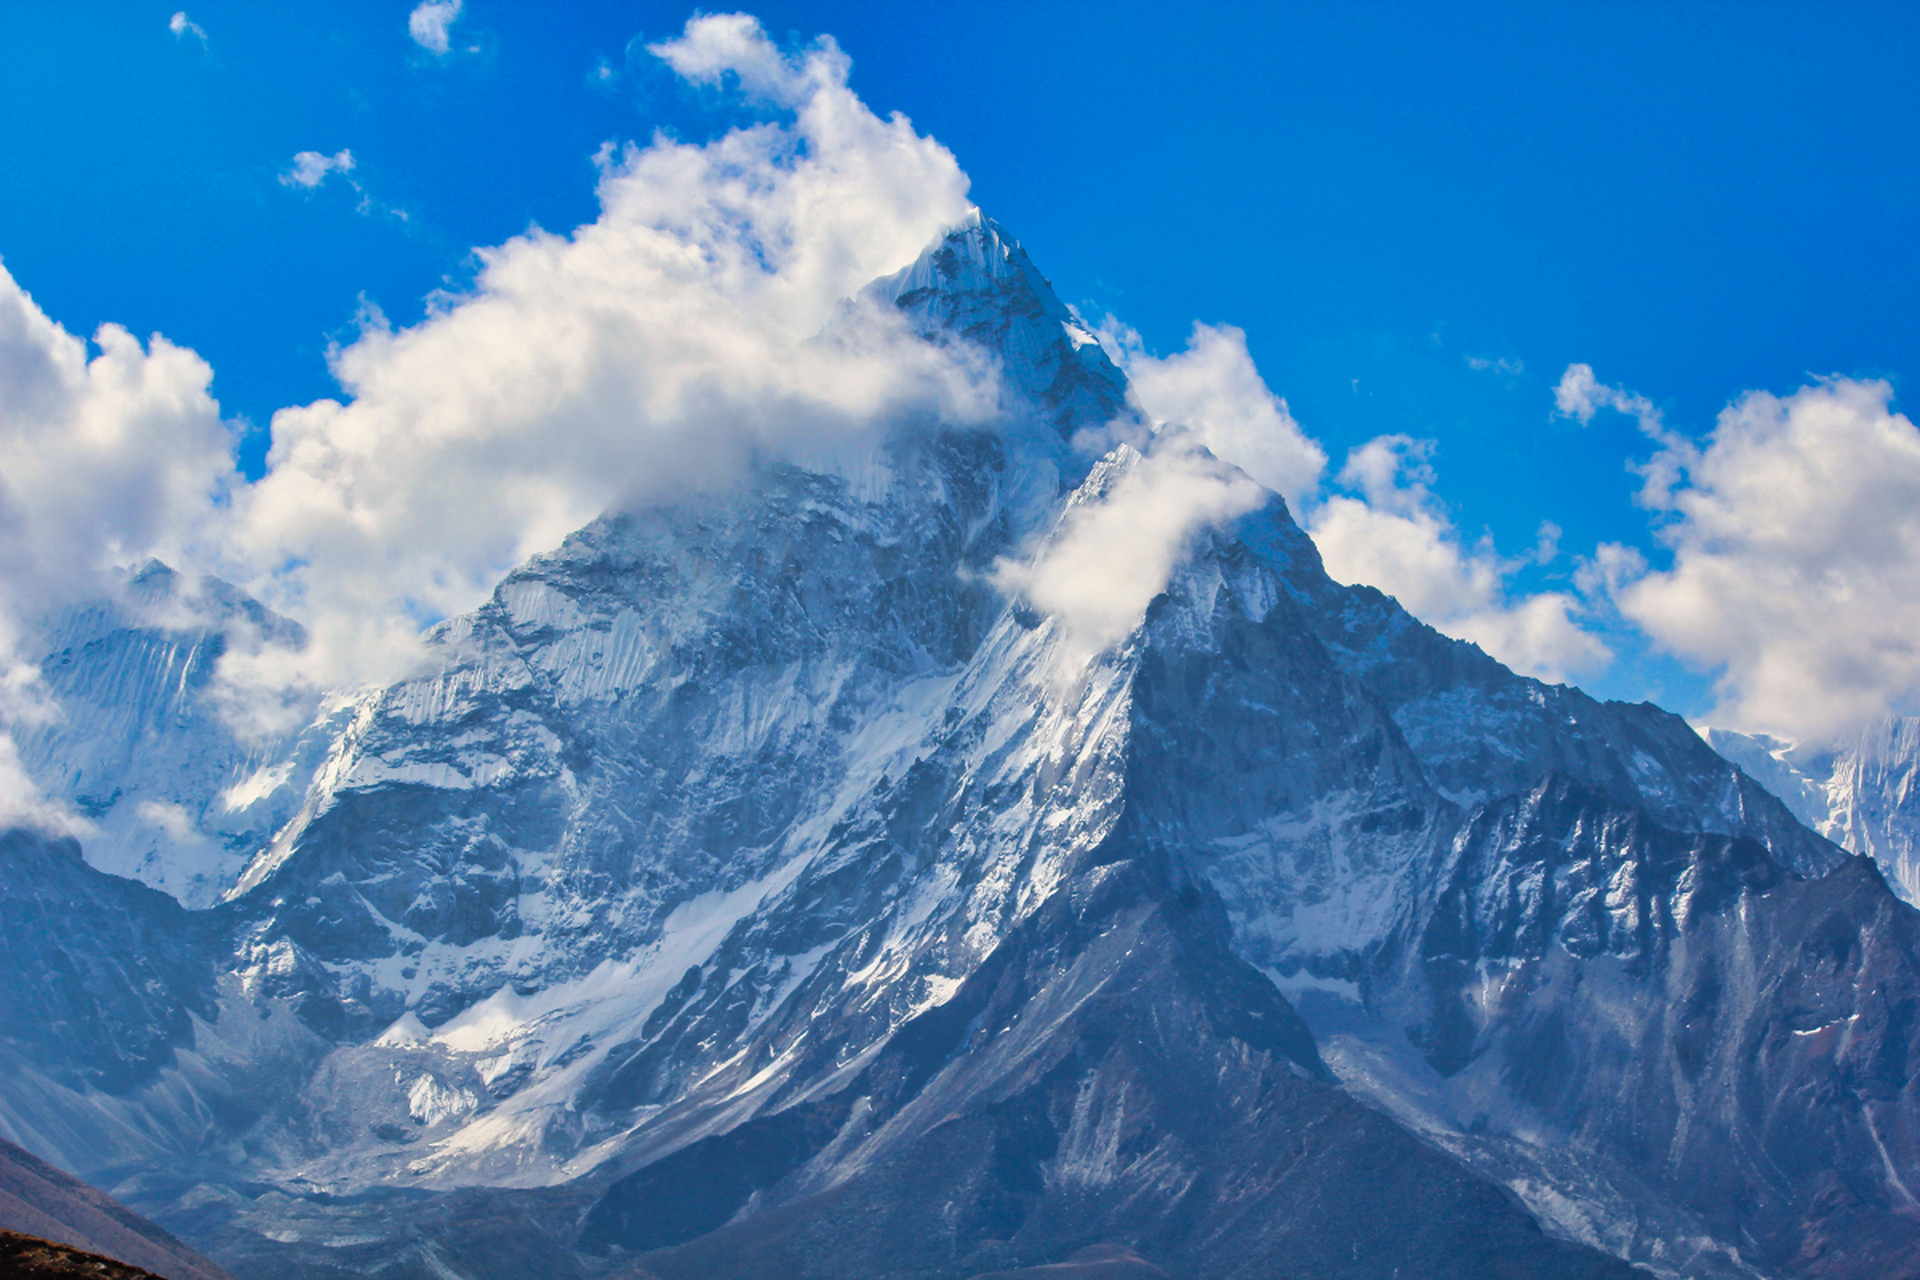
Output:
(976, 282)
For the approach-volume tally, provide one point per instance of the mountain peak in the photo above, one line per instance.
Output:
(976, 282)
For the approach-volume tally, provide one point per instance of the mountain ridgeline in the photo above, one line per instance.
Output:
(751, 889)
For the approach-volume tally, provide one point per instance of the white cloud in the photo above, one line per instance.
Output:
(430, 22)
(1611, 566)
(652, 349)
(22, 804)
(1114, 551)
(1796, 558)
(714, 48)
(1210, 441)
(311, 168)
(1580, 395)
(104, 458)
(1214, 390)
(25, 703)
(1386, 530)
(1505, 366)
(182, 26)
(697, 323)
(681, 333)
(1389, 532)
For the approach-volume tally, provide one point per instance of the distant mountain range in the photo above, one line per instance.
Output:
(1860, 792)
(752, 888)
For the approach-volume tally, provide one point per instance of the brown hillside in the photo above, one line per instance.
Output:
(39, 1200)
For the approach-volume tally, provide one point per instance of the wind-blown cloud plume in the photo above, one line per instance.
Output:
(697, 323)
(1114, 551)
(182, 26)
(1213, 389)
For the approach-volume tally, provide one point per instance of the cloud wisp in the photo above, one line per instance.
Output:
(1117, 543)
(430, 25)
(311, 168)
(182, 26)
(1213, 389)
(1389, 531)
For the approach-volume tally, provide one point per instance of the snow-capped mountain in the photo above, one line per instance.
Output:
(1861, 792)
(751, 887)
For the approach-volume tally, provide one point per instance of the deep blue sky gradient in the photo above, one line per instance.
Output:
(1696, 199)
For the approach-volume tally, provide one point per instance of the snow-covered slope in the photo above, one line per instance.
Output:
(1862, 792)
(138, 743)
(750, 871)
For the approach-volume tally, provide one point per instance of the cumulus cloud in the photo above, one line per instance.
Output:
(1795, 534)
(1381, 524)
(311, 168)
(731, 46)
(654, 348)
(182, 26)
(1388, 531)
(430, 23)
(697, 324)
(105, 457)
(1117, 543)
(1213, 389)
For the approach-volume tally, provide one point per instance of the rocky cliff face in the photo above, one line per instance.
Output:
(750, 888)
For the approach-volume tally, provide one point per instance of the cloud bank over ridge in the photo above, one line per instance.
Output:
(680, 334)
(1379, 523)
(658, 347)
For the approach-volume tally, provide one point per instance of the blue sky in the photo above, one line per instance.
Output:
(1420, 216)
